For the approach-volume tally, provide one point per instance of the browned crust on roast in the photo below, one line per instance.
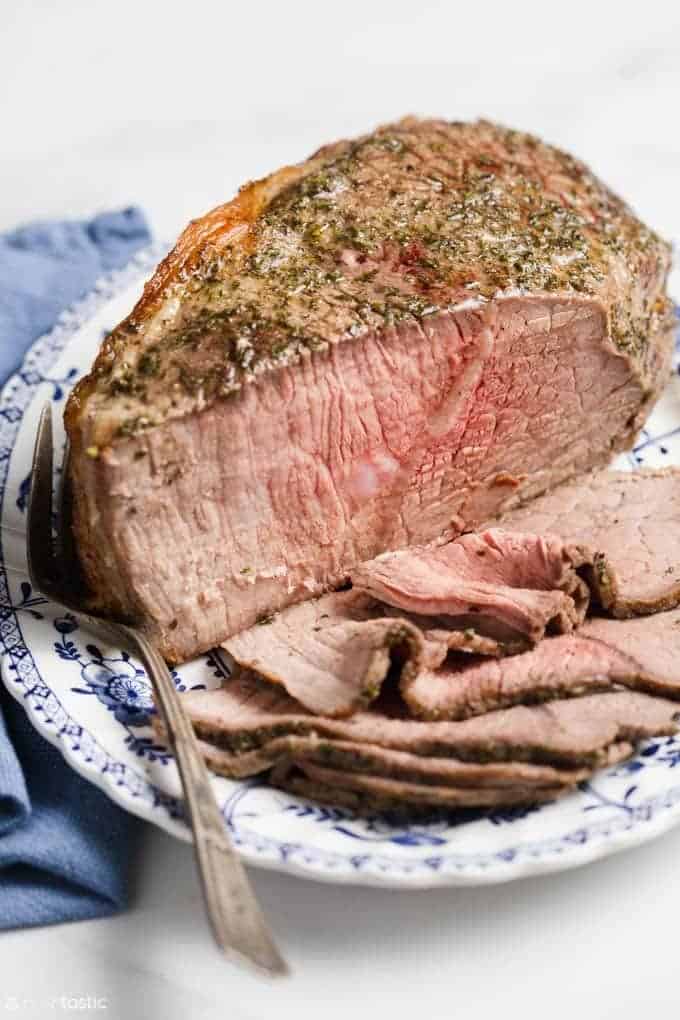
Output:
(229, 222)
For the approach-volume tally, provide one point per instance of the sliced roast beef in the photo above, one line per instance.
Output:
(378, 793)
(486, 594)
(563, 666)
(379, 347)
(641, 653)
(247, 713)
(347, 755)
(631, 520)
(331, 654)
(396, 799)
(522, 582)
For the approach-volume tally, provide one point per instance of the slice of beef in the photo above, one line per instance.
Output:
(332, 654)
(347, 755)
(632, 521)
(641, 653)
(522, 582)
(472, 636)
(377, 793)
(379, 347)
(388, 793)
(372, 792)
(395, 801)
(247, 713)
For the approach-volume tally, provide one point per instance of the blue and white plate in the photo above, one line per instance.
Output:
(93, 702)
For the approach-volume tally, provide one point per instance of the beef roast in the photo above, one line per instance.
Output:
(376, 348)
(632, 521)
(247, 713)
(522, 582)
(641, 653)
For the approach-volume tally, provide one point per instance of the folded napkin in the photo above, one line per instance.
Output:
(64, 846)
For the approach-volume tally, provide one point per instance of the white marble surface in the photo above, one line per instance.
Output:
(173, 106)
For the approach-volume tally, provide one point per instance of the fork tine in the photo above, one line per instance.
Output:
(39, 539)
(67, 563)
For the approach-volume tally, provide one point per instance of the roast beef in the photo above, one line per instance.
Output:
(631, 520)
(470, 784)
(347, 755)
(641, 653)
(397, 792)
(398, 800)
(523, 582)
(488, 594)
(247, 713)
(333, 653)
(384, 345)
(380, 794)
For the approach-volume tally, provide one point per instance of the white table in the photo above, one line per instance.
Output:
(99, 105)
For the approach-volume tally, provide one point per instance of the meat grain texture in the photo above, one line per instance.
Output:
(393, 341)
(488, 594)
(632, 520)
(641, 653)
(247, 714)
(521, 582)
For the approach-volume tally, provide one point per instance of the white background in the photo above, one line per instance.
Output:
(174, 106)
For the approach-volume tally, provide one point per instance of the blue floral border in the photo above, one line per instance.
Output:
(133, 789)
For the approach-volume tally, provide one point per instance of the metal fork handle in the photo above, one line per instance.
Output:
(235, 916)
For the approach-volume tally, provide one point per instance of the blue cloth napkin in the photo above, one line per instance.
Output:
(64, 846)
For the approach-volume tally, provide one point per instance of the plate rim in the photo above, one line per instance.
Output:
(652, 817)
